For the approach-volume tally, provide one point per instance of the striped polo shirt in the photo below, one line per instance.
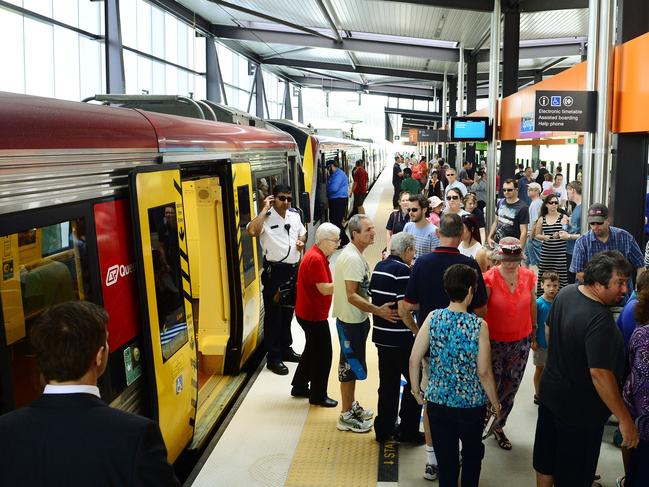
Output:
(388, 284)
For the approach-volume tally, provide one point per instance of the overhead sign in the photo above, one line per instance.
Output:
(565, 111)
(432, 135)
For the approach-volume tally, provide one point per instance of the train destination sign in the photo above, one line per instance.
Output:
(565, 111)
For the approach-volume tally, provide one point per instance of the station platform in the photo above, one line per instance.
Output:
(276, 440)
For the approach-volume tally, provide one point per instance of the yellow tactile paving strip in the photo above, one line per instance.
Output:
(325, 456)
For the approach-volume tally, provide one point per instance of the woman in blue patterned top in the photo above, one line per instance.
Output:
(461, 379)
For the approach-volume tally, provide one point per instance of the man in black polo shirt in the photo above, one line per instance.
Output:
(425, 293)
(580, 385)
(397, 177)
(394, 343)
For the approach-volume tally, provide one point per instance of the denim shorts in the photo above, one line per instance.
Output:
(352, 337)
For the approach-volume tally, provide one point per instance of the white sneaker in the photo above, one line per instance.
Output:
(431, 472)
(361, 412)
(351, 422)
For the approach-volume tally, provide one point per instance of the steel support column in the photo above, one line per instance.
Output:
(288, 102)
(115, 81)
(471, 96)
(630, 151)
(511, 39)
(494, 82)
(259, 92)
(300, 109)
(452, 112)
(460, 101)
(215, 86)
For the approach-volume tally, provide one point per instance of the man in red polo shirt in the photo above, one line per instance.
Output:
(314, 294)
(359, 188)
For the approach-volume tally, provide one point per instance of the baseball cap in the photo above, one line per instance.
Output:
(597, 213)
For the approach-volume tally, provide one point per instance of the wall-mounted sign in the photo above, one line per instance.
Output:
(527, 123)
(565, 111)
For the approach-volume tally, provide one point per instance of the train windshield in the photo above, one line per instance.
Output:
(165, 252)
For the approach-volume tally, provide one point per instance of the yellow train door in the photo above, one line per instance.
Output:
(165, 293)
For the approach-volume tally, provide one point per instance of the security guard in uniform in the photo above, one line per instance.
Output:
(282, 238)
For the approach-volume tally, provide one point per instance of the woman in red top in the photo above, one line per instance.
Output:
(511, 314)
(314, 294)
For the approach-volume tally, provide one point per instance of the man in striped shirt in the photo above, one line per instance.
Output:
(394, 343)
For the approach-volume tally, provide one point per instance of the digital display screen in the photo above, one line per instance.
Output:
(470, 129)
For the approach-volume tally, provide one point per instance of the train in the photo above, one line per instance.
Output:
(143, 213)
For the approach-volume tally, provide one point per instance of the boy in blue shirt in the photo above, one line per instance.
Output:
(550, 286)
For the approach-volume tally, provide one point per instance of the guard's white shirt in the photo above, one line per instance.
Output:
(275, 239)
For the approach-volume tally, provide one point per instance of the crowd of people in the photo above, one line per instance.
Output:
(485, 298)
(456, 310)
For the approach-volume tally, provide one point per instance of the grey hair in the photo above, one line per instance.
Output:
(355, 224)
(401, 242)
(326, 231)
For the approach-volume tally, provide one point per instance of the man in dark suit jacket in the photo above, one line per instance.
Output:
(69, 436)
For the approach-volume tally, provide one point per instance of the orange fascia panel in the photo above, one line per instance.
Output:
(522, 102)
(631, 86)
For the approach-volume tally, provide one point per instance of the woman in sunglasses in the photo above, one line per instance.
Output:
(511, 311)
(454, 202)
(549, 230)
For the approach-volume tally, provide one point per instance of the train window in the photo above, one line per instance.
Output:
(167, 276)
(243, 193)
(40, 267)
(263, 191)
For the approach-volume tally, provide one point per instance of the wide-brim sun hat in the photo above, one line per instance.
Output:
(509, 249)
(435, 201)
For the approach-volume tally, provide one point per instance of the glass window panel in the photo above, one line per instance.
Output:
(171, 79)
(90, 16)
(171, 38)
(39, 58)
(157, 32)
(16, 2)
(43, 7)
(200, 51)
(182, 44)
(91, 82)
(190, 49)
(67, 11)
(66, 65)
(242, 103)
(165, 252)
(421, 105)
(144, 69)
(129, 23)
(158, 81)
(200, 87)
(229, 94)
(183, 82)
(41, 267)
(143, 26)
(244, 79)
(130, 72)
(12, 60)
(226, 60)
(245, 215)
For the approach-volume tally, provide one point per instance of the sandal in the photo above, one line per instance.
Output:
(503, 441)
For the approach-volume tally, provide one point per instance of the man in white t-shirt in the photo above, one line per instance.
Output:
(351, 307)
(451, 176)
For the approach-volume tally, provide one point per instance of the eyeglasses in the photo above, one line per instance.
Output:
(285, 198)
(508, 190)
(451, 197)
(552, 203)
(450, 174)
(334, 240)
(596, 223)
(413, 210)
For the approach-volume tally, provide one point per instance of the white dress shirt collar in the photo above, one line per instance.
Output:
(71, 389)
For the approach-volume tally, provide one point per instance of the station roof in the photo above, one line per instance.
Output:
(394, 47)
